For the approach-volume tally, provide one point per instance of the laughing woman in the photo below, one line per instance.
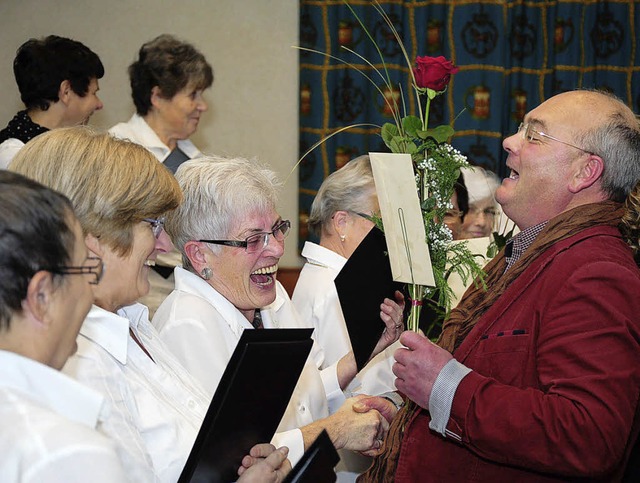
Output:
(231, 238)
(120, 192)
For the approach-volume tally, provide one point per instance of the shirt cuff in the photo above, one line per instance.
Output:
(442, 393)
(293, 440)
(335, 396)
(396, 399)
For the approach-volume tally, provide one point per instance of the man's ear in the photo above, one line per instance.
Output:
(196, 255)
(39, 294)
(64, 92)
(589, 171)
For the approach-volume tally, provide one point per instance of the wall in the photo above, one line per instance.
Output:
(253, 104)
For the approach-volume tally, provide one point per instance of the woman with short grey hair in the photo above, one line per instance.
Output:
(349, 189)
(231, 238)
(340, 216)
(234, 187)
(482, 217)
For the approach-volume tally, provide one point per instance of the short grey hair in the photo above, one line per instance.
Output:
(351, 188)
(617, 141)
(219, 191)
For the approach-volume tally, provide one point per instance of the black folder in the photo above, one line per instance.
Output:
(317, 463)
(249, 402)
(362, 285)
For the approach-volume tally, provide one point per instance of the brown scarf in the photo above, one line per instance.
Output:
(476, 301)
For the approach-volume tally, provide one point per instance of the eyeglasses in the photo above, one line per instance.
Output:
(357, 213)
(487, 212)
(94, 267)
(257, 241)
(363, 215)
(529, 133)
(157, 224)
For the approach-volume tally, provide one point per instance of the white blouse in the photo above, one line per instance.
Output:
(202, 328)
(157, 407)
(48, 425)
(316, 300)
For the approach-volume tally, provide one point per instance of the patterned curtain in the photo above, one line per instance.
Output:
(512, 56)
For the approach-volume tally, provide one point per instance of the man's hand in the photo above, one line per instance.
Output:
(385, 407)
(264, 464)
(417, 366)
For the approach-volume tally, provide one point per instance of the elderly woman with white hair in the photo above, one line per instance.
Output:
(232, 238)
(480, 220)
(120, 193)
(340, 217)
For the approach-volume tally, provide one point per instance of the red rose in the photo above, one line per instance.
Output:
(433, 72)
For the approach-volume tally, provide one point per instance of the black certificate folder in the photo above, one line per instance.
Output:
(362, 285)
(249, 402)
(317, 463)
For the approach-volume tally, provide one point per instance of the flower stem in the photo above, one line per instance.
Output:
(425, 121)
(416, 294)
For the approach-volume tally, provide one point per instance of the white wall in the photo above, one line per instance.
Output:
(253, 103)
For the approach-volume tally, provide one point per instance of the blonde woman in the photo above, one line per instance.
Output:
(120, 193)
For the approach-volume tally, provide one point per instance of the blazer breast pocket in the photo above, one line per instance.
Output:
(503, 356)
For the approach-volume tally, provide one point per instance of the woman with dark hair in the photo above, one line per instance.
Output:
(58, 82)
(167, 84)
(48, 420)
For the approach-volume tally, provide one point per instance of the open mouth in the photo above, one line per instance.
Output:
(150, 263)
(514, 174)
(264, 276)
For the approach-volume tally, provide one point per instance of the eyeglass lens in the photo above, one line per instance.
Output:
(157, 224)
(260, 240)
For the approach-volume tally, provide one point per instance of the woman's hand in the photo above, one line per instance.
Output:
(392, 314)
(362, 431)
(264, 464)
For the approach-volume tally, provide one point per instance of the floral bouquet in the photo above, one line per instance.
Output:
(436, 166)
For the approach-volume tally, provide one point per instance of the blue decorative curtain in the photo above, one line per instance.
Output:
(512, 56)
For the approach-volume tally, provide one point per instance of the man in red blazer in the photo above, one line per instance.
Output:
(540, 378)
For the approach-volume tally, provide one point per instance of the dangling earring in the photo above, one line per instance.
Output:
(342, 238)
(206, 273)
